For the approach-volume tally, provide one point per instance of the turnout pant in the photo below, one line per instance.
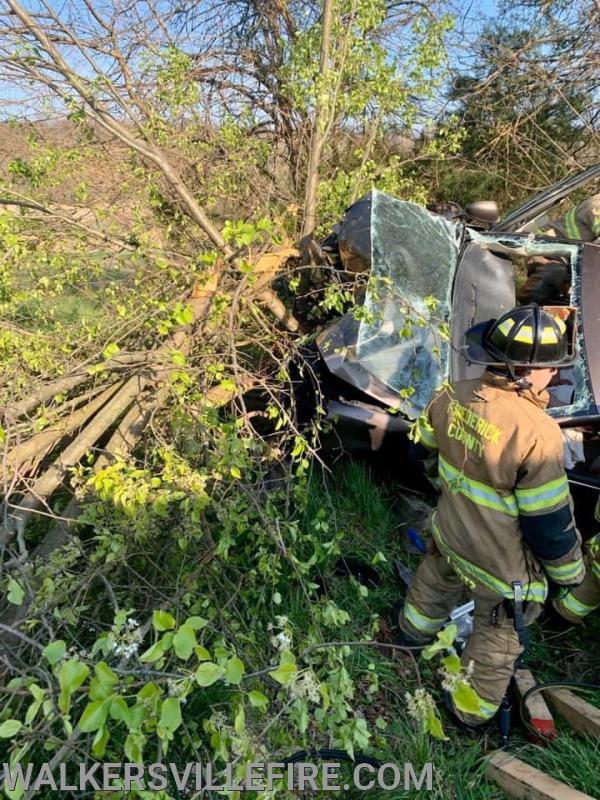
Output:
(585, 598)
(493, 646)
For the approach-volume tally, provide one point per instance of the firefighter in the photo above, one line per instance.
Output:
(581, 223)
(576, 604)
(504, 525)
(549, 279)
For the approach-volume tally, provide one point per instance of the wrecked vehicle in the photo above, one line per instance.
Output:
(429, 279)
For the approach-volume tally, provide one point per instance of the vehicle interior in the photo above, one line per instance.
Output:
(498, 272)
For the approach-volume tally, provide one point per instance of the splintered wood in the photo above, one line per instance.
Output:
(519, 780)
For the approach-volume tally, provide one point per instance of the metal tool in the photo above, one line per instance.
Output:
(461, 616)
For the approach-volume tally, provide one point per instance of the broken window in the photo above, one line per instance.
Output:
(548, 273)
(402, 338)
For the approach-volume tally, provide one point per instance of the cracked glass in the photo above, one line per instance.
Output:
(402, 338)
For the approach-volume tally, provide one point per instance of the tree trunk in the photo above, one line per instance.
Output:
(319, 125)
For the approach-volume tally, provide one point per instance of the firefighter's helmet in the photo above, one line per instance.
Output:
(528, 336)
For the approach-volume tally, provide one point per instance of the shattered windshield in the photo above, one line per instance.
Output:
(402, 338)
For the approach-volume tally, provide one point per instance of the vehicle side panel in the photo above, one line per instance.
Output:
(483, 289)
(590, 312)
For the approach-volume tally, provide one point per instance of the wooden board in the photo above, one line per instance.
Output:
(540, 715)
(517, 779)
(581, 715)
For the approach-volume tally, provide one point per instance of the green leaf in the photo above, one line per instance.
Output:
(235, 471)
(178, 358)
(184, 642)
(284, 673)
(119, 710)
(10, 728)
(103, 682)
(234, 671)
(133, 747)
(208, 673)
(287, 657)
(163, 621)
(325, 698)
(183, 315)
(434, 727)
(39, 696)
(302, 716)
(37, 691)
(137, 714)
(110, 350)
(100, 741)
(105, 674)
(157, 650)
(70, 677)
(16, 793)
(196, 623)
(465, 698)
(452, 663)
(94, 716)
(258, 699)
(15, 593)
(170, 716)
(55, 651)
(445, 640)
(239, 722)
(202, 654)
(99, 690)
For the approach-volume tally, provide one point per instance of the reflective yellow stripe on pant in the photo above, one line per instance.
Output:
(578, 603)
(472, 574)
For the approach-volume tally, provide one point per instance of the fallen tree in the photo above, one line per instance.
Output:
(156, 519)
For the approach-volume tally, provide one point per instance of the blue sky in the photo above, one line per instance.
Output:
(471, 16)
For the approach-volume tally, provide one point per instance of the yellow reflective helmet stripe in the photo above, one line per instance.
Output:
(422, 622)
(524, 335)
(565, 573)
(536, 591)
(507, 326)
(544, 497)
(525, 332)
(549, 336)
(480, 493)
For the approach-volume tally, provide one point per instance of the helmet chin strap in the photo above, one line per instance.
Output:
(522, 381)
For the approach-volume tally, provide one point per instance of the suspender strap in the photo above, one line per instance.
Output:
(518, 606)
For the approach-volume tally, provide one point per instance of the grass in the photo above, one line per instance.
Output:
(370, 516)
